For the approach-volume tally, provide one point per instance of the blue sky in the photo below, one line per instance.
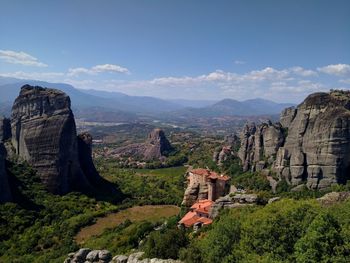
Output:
(280, 50)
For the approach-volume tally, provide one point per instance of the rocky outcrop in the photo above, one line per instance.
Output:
(44, 134)
(155, 147)
(333, 198)
(228, 150)
(259, 145)
(86, 255)
(311, 144)
(232, 201)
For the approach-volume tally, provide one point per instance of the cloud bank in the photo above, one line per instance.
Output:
(110, 68)
(291, 84)
(20, 58)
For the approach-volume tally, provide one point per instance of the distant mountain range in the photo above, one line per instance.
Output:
(228, 107)
(115, 106)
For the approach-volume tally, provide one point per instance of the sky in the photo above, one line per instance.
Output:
(191, 49)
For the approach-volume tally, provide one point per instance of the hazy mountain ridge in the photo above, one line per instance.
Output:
(117, 105)
(225, 107)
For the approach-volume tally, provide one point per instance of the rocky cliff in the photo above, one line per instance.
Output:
(259, 145)
(44, 134)
(227, 150)
(155, 147)
(311, 144)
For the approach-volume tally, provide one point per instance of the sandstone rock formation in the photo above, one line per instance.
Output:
(223, 153)
(259, 145)
(154, 148)
(44, 134)
(232, 201)
(311, 144)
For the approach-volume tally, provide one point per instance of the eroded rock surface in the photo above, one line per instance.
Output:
(155, 147)
(259, 145)
(44, 134)
(311, 144)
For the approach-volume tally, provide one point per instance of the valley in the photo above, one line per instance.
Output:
(142, 184)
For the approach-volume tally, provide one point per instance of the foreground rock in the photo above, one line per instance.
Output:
(310, 145)
(232, 201)
(334, 197)
(44, 134)
(86, 255)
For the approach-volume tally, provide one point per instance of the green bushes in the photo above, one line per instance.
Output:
(165, 244)
(252, 181)
(284, 231)
(147, 186)
(41, 226)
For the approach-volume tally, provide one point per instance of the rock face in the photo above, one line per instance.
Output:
(44, 134)
(259, 145)
(311, 146)
(223, 153)
(232, 201)
(154, 148)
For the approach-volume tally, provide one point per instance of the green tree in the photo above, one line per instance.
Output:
(322, 242)
(165, 244)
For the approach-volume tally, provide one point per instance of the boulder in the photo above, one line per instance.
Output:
(334, 197)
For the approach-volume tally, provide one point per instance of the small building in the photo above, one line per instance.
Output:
(198, 215)
(205, 184)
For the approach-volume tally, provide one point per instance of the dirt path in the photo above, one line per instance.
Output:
(134, 214)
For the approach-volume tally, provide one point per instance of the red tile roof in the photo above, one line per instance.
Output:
(210, 174)
(193, 217)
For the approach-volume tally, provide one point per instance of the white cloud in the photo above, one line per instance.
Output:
(44, 76)
(303, 72)
(290, 84)
(20, 58)
(239, 62)
(336, 69)
(98, 69)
